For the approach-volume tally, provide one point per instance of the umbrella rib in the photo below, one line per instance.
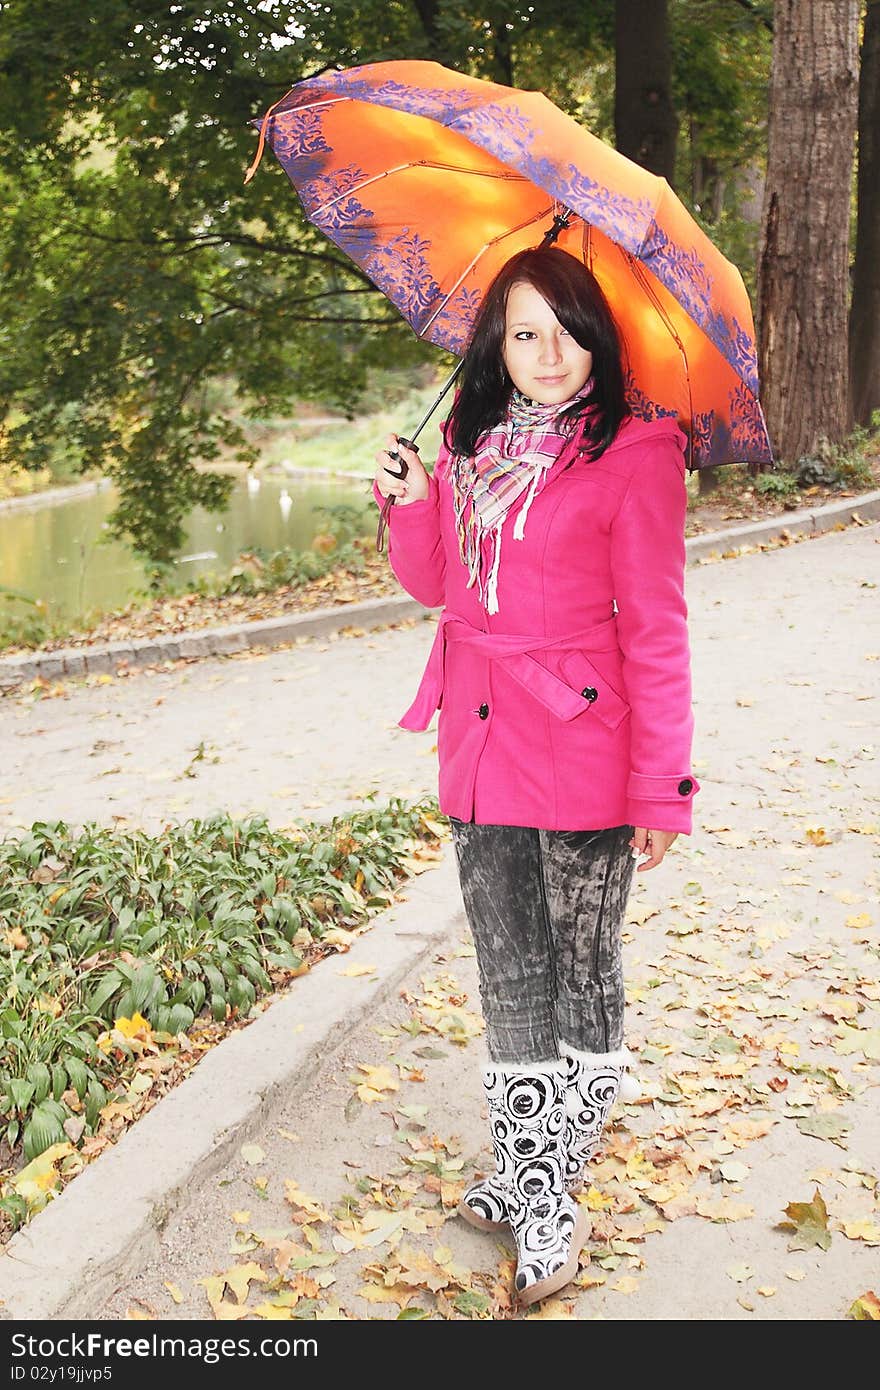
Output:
(417, 164)
(483, 249)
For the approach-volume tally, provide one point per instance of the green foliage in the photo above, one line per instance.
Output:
(202, 919)
(843, 465)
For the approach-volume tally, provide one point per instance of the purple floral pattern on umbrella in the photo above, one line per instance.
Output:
(337, 201)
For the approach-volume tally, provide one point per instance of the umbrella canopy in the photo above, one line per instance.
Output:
(430, 180)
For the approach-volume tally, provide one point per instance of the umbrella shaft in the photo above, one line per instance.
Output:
(430, 412)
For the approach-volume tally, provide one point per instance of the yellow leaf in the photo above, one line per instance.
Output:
(376, 1080)
(355, 970)
(598, 1201)
(625, 1284)
(796, 1274)
(229, 1312)
(240, 1217)
(862, 1229)
(214, 1286)
(767, 1290)
(867, 1306)
(638, 913)
(552, 1310)
(858, 920)
(294, 1194)
(274, 1312)
(367, 1094)
(174, 1292)
(38, 1178)
(136, 1026)
(816, 835)
(722, 1208)
(238, 1279)
(375, 1293)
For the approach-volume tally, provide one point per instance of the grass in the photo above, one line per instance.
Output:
(351, 446)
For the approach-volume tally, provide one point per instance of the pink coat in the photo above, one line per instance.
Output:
(558, 712)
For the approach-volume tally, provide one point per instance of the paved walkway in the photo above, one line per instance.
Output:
(751, 966)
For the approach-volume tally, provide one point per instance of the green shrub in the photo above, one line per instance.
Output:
(201, 920)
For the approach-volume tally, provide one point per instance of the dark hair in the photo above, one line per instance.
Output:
(576, 298)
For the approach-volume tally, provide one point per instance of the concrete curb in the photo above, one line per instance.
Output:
(271, 632)
(108, 1221)
(811, 522)
(210, 641)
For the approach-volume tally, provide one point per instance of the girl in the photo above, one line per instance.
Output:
(552, 531)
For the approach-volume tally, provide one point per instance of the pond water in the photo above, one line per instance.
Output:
(58, 550)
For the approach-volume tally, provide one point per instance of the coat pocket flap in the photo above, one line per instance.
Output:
(598, 695)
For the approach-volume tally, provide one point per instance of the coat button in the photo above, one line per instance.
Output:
(590, 693)
(483, 711)
(685, 786)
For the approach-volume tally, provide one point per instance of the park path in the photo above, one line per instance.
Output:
(751, 964)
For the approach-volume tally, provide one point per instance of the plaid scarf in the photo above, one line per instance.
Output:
(511, 458)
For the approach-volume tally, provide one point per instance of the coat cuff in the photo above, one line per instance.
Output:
(662, 803)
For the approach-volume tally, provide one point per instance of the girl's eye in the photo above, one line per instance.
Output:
(527, 333)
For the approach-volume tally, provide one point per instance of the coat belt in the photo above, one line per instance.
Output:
(512, 652)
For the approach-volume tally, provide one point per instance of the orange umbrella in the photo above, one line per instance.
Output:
(430, 180)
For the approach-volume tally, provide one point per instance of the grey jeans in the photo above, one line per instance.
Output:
(545, 908)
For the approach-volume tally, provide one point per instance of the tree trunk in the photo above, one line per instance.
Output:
(803, 267)
(864, 319)
(645, 124)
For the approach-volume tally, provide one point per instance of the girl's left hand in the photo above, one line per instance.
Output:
(654, 842)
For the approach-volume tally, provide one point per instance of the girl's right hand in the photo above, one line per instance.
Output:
(414, 487)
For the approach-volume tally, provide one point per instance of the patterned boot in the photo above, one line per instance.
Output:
(482, 1204)
(593, 1080)
(528, 1122)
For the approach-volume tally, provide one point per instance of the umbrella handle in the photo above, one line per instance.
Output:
(389, 500)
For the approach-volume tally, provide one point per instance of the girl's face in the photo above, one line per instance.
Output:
(543, 359)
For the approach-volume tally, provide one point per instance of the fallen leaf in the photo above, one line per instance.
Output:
(238, 1279)
(862, 1229)
(375, 1082)
(733, 1171)
(866, 1306)
(825, 1127)
(809, 1221)
(552, 1309)
(722, 1208)
(306, 1208)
